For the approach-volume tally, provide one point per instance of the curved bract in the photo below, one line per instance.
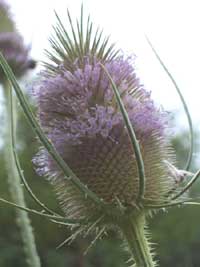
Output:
(191, 134)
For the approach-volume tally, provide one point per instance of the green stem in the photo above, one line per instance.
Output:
(15, 187)
(134, 234)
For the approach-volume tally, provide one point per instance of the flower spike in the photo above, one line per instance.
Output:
(88, 98)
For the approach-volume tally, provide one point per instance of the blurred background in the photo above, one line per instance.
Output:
(173, 28)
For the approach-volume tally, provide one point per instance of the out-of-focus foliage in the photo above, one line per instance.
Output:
(176, 231)
(6, 21)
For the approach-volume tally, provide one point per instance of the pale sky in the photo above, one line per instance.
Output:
(172, 26)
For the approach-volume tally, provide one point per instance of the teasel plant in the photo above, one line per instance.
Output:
(105, 145)
(17, 55)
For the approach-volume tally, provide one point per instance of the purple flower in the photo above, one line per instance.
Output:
(3, 5)
(15, 52)
(78, 111)
(12, 45)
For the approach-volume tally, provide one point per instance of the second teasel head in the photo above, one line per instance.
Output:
(12, 45)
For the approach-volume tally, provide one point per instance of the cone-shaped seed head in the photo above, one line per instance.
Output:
(79, 113)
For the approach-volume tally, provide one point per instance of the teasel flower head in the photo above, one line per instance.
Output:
(78, 111)
(12, 44)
